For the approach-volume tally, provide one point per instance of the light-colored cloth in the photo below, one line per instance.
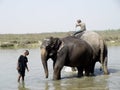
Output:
(80, 27)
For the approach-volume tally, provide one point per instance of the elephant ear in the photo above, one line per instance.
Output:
(56, 43)
(46, 43)
(51, 44)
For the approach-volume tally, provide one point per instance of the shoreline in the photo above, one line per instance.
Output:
(37, 45)
(111, 37)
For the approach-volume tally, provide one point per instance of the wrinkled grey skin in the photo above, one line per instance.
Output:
(99, 48)
(68, 51)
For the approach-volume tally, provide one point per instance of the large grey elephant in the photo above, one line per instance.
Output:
(99, 48)
(67, 51)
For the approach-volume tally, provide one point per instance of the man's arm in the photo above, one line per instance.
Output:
(18, 66)
(78, 24)
(18, 63)
(27, 67)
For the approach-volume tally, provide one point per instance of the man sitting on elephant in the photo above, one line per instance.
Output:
(80, 26)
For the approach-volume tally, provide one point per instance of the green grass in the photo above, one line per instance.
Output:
(112, 37)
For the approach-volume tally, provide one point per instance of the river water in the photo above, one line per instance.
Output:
(35, 78)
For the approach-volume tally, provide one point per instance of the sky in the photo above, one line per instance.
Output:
(40, 16)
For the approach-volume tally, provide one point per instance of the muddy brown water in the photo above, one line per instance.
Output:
(35, 78)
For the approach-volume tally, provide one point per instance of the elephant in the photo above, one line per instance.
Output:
(99, 47)
(67, 51)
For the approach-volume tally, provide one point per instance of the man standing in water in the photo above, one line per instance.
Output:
(80, 26)
(22, 65)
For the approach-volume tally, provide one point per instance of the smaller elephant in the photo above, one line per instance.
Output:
(67, 51)
(99, 47)
(100, 50)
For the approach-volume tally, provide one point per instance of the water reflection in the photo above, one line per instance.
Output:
(46, 86)
(35, 78)
(21, 86)
(54, 85)
(84, 83)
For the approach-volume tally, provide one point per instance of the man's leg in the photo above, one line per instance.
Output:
(23, 75)
(23, 78)
(77, 32)
(19, 78)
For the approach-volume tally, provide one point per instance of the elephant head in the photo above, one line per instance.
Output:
(49, 49)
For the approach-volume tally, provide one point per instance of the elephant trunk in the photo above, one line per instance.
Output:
(44, 61)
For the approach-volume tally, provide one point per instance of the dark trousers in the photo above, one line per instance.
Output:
(78, 32)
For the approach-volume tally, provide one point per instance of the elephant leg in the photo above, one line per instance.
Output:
(87, 70)
(53, 64)
(105, 69)
(57, 73)
(104, 66)
(92, 69)
(57, 68)
(80, 71)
